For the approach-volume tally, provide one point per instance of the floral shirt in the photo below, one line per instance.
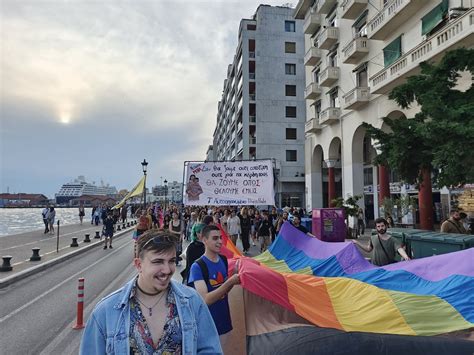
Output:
(141, 341)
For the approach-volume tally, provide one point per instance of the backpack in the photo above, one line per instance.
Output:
(205, 270)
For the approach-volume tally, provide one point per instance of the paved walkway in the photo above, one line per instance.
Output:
(19, 246)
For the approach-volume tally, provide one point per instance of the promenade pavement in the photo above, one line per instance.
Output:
(19, 247)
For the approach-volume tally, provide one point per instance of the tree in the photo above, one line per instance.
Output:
(441, 136)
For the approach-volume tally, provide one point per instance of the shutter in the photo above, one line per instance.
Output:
(434, 17)
(392, 52)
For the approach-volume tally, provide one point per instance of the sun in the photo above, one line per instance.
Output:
(65, 117)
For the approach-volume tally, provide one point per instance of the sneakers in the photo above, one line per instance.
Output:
(105, 247)
(110, 246)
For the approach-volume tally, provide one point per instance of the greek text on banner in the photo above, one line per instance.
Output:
(229, 183)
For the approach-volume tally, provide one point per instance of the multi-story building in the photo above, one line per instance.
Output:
(262, 111)
(170, 192)
(357, 51)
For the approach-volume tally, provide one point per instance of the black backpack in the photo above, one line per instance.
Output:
(205, 270)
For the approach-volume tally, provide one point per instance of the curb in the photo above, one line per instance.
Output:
(38, 268)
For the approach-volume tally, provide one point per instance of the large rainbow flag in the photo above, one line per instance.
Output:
(331, 285)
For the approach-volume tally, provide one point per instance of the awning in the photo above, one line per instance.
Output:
(434, 17)
(392, 52)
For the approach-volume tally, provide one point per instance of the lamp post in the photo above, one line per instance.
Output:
(144, 167)
(166, 192)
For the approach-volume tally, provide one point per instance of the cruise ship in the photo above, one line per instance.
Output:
(80, 187)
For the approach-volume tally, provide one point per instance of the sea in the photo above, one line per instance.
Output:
(20, 220)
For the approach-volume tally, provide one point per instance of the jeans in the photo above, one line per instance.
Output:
(46, 229)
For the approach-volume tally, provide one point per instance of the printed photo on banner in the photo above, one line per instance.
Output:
(229, 183)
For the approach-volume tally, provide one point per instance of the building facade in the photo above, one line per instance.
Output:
(357, 51)
(262, 111)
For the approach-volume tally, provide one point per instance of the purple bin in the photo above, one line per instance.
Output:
(329, 224)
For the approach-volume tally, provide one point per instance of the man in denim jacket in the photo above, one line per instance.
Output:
(152, 313)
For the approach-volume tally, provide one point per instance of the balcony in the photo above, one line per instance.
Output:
(239, 127)
(329, 115)
(458, 33)
(312, 57)
(252, 140)
(352, 8)
(325, 5)
(392, 16)
(355, 50)
(240, 146)
(253, 119)
(311, 23)
(312, 126)
(329, 76)
(356, 98)
(312, 91)
(328, 38)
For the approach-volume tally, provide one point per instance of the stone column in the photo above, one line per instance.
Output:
(331, 181)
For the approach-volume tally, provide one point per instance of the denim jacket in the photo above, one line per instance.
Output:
(107, 330)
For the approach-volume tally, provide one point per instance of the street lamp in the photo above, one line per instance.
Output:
(144, 167)
(166, 192)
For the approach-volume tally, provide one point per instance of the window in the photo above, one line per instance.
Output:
(291, 155)
(251, 27)
(290, 90)
(362, 77)
(290, 69)
(333, 59)
(334, 98)
(360, 25)
(290, 47)
(290, 111)
(291, 134)
(289, 26)
(317, 108)
(316, 73)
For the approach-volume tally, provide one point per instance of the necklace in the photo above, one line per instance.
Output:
(147, 293)
(150, 309)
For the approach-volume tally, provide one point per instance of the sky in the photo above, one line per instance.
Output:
(93, 87)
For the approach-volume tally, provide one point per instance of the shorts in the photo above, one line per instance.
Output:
(264, 239)
(108, 234)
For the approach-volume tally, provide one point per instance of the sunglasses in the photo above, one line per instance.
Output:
(159, 239)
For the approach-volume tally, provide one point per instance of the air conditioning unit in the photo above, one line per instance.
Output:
(456, 12)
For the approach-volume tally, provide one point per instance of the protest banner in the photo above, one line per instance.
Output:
(229, 183)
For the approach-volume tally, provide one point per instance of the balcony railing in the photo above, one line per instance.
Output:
(329, 76)
(329, 115)
(458, 33)
(311, 23)
(352, 8)
(356, 98)
(355, 50)
(312, 56)
(252, 97)
(252, 140)
(240, 146)
(312, 91)
(253, 119)
(325, 5)
(312, 126)
(328, 38)
(392, 16)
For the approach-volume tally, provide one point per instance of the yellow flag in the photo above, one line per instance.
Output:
(136, 191)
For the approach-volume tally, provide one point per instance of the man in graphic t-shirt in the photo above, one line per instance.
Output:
(214, 290)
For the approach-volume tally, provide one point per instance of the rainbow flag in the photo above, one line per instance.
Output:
(331, 285)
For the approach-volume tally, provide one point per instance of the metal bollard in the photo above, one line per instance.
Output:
(128, 224)
(80, 304)
(87, 239)
(74, 243)
(123, 226)
(35, 256)
(97, 235)
(6, 266)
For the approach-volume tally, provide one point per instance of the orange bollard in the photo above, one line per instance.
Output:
(80, 305)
